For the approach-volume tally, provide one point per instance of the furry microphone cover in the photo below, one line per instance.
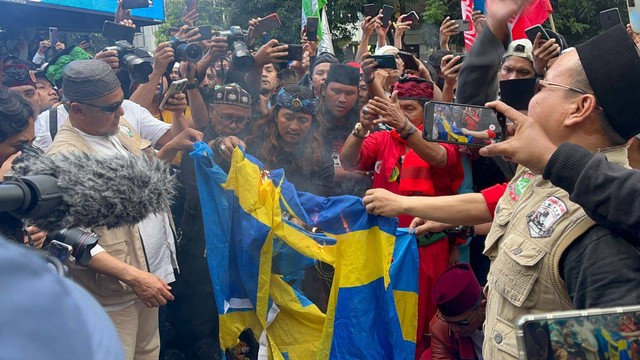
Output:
(109, 191)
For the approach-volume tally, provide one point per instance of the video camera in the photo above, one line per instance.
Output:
(4, 36)
(241, 57)
(30, 197)
(137, 61)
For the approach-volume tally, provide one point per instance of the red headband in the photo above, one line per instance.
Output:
(413, 88)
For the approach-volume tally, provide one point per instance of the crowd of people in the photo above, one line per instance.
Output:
(558, 232)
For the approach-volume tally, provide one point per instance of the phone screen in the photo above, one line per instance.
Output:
(408, 60)
(312, 28)
(582, 337)
(294, 52)
(461, 124)
(176, 87)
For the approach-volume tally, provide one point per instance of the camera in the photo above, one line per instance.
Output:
(80, 241)
(137, 61)
(185, 51)
(4, 36)
(241, 57)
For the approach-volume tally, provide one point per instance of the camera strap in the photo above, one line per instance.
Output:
(53, 121)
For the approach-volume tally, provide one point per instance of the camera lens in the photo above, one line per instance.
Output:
(138, 68)
(188, 52)
(80, 241)
(241, 57)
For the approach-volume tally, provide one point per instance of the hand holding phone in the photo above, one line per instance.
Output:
(53, 36)
(387, 13)
(610, 18)
(413, 17)
(385, 61)
(312, 28)
(294, 52)
(409, 61)
(370, 10)
(533, 31)
(467, 125)
(176, 87)
(463, 25)
(267, 23)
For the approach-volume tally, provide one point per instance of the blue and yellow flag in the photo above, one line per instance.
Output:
(257, 257)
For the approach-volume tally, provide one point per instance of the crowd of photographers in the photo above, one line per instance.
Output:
(353, 128)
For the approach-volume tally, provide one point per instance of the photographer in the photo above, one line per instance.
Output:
(16, 132)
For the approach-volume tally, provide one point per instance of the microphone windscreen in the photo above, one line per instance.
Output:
(100, 190)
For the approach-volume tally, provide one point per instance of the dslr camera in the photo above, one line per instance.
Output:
(241, 57)
(185, 51)
(137, 61)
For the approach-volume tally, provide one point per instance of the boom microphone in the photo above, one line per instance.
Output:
(96, 190)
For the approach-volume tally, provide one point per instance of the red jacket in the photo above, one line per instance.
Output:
(446, 345)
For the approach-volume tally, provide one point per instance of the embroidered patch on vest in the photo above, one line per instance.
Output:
(517, 189)
(125, 130)
(394, 174)
(541, 221)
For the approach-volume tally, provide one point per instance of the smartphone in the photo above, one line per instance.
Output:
(190, 5)
(53, 36)
(462, 57)
(114, 31)
(312, 28)
(551, 335)
(413, 17)
(467, 125)
(634, 15)
(408, 60)
(387, 12)
(176, 87)
(385, 61)
(463, 25)
(370, 10)
(533, 31)
(294, 52)
(610, 18)
(135, 4)
(267, 24)
(59, 250)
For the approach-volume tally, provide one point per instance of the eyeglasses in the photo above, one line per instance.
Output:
(231, 119)
(461, 323)
(542, 83)
(109, 109)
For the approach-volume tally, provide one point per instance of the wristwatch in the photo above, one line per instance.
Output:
(357, 131)
(191, 86)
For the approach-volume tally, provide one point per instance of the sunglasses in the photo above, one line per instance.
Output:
(461, 323)
(109, 109)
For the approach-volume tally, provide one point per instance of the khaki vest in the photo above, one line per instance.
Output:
(123, 243)
(535, 223)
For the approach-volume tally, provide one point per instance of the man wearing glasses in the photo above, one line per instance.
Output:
(456, 329)
(130, 270)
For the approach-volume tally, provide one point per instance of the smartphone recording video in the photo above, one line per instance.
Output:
(467, 125)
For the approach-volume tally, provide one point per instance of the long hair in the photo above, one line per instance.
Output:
(268, 143)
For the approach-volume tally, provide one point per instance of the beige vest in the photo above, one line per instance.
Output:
(123, 243)
(535, 223)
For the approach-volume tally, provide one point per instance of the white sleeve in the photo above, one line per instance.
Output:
(143, 122)
(38, 59)
(96, 250)
(43, 136)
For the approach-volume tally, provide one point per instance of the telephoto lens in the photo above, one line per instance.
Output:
(186, 51)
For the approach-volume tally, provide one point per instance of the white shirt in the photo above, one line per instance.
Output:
(140, 118)
(155, 230)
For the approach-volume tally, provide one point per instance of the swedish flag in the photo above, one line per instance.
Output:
(372, 308)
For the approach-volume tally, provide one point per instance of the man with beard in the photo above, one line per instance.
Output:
(131, 268)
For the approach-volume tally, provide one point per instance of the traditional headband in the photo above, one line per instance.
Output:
(307, 106)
